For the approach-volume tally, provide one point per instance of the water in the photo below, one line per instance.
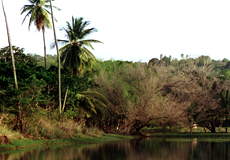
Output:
(142, 149)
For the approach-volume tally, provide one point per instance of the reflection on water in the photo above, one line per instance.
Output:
(142, 149)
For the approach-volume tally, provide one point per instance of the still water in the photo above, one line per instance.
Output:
(141, 149)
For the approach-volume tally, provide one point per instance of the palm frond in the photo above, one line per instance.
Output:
(87, 32)
(95, 95)
(26, 8)
(94, 100)
(60, 41)
(88, 53)
(32, 18)
(88, 42)
(48, 6)
(28, 14)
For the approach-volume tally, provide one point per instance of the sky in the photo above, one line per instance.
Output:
(132, 30)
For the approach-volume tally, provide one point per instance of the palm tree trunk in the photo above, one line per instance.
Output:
(66, 93)
(43, 32)
(226, 124)
(11, 50)
(58, 55)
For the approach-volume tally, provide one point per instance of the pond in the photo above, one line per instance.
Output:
(140, 149)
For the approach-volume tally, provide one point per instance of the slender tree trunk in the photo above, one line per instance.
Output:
(11, 50)
(43, 32)
(58, 55)
(66, 93)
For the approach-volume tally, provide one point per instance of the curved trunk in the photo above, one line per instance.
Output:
(58, 55)
(11, 50)
(43, 32)
(135, 128)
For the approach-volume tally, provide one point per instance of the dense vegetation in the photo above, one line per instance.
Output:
(116, 96)
(165, 92)
(73, 92)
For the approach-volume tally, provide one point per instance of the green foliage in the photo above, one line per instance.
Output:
(225, 60)
(29, 87)
(71, 113)
(225, 74)
(19, 56)
(89, 103)
(37, 89)
(94, 103)
(51, 60)
(203, 60)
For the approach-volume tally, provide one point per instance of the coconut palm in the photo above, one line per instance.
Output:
(75, 54)
(11, 50)
(38, 13)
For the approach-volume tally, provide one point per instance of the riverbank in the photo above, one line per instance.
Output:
(188, 135)
(82, 139)
(86, 139)
(17, 141)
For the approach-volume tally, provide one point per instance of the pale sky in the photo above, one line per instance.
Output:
(133, 30)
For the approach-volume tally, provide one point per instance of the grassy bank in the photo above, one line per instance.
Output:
(83, 139)
(92, 136)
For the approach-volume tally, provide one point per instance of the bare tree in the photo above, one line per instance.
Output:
(160, 94)
(138, 94)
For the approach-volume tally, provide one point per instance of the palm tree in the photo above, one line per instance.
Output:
(75, 55)
(39, 14)
(225, 105)
(11, 50)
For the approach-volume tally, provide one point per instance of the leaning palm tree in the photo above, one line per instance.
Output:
(75, 55)
(58, 55)
(38, 13)
(11, 50)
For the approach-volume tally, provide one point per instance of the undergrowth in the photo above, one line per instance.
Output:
(41, 126)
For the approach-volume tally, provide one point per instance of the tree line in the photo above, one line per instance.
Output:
(120, 96)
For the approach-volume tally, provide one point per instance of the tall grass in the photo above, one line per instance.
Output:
(51, 128)
(42, 126)
(4, 130)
